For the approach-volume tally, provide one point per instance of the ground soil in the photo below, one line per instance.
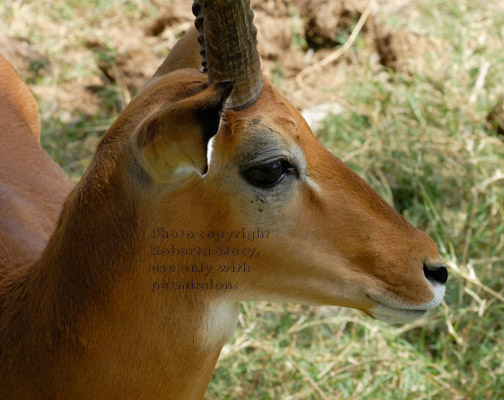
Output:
(293, 35)
(496, 117)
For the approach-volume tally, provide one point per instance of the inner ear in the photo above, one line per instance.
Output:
(210, 113)
(171, 145)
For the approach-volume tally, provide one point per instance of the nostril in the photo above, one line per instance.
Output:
(436, 273)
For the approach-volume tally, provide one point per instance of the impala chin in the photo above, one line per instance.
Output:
(389, 309)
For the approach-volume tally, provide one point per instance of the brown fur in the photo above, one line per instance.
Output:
(32, 187)
(82, 320)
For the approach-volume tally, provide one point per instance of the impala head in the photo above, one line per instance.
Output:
(208, 189)
(225, 151)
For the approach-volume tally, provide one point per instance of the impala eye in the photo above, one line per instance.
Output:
(268, 174)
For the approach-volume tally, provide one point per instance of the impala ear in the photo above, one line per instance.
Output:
(171, 145)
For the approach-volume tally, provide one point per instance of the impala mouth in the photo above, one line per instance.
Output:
(394, 312)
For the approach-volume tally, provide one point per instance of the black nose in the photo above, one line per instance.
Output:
(436, 273)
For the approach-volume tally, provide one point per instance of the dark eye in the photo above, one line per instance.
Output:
(267, 174)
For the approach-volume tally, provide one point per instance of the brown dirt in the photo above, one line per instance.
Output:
(26, 60)
(400, 49)
(325, 21)
(496, 116)
(292, 36)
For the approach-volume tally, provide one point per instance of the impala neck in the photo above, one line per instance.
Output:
(107, 332)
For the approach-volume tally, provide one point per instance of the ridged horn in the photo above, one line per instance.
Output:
(228, 40)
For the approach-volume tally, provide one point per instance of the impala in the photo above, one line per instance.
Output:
(209, 189)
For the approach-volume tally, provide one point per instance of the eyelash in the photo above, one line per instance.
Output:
(268, 174)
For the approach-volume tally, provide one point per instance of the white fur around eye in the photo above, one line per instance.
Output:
(300, 161)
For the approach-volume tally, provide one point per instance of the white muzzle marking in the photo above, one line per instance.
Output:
(395, 312)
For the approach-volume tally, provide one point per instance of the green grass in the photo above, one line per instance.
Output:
(423, 142)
